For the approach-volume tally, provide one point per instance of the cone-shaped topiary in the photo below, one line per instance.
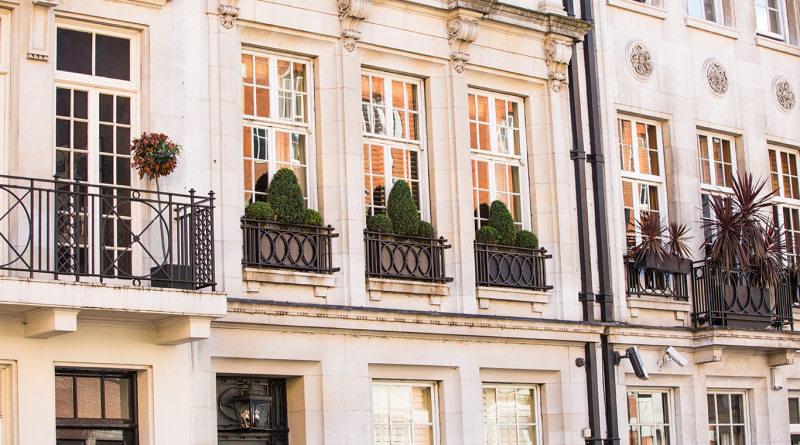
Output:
(286, 197)
(401, 209)
(487, 235)
(260, 211)
(380, 223)
(311, 218)
(527, 239)
(426, 230)
(500, 218)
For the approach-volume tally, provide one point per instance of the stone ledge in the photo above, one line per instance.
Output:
(681, 308)
(378, 286)
(320, 282)
(640, 8)
(712, 27)
(777, 45)
(536, 298)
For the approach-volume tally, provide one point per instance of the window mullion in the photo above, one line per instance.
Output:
(492, 129)
(389, 106)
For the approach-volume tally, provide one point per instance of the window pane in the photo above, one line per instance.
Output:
(506, 405)
(738, 435)
(380, 404)
(736, 409)
(247, 68)
(117, 398)
(299, 75)
(525, 413)
(422, 405)
(88, 396)
(633, 435)
(490, 435)
(64, 394)
(527, 435)
(794, 410)
(112, 57)
(489, 405)
(262, 71)
(705, 166)
(723, 409)
(508, 435)
(626, 145)
(401, 435)
(712, 409)
(382, 436)
(633, 412)
(423, 435)
(646, 409)
(400, 403)
(74, 51)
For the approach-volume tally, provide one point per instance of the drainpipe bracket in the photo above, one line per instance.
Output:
(604, 298)
(586, 296)
(596, 157)
(577, 154)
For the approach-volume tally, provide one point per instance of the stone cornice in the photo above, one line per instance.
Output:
(753, 339)
(547, 23)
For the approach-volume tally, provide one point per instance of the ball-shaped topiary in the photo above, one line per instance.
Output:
(426, 230)
(487, 235)
(311, 218)
(286, 197)
(380, 223)
(500, 218)
(527, 239)
(260, 211)
(401, 209)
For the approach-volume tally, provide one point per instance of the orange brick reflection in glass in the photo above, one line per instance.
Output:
(255, 84)
(626, 145)
(373, 175)
(479, 122)
(113, 399)
(64, 393)
(88, 397)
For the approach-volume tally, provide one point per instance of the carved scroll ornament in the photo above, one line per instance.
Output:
(557, 54)
(228, 12)
(351, 14)
(461, 32)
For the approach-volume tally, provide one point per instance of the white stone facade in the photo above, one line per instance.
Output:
(332, 337)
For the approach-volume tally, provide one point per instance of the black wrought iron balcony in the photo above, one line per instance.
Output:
(738, 298)
(656, 283)
(298, 247)
(511, 267)
(51, 228)
(412, 257)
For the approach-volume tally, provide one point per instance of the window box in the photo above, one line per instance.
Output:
(298, 247)
(666, 264)
(510, 267)
(410, 257)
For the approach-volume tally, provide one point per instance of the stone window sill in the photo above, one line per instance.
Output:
(681, 308)
(536, 298)
(712, 27)
(640, 8)
(320, 282)
(377, 287)
(777, 45)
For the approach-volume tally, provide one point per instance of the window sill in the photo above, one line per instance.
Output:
(640, 8)
(320, 282)
(776, 45)
(536, 298)
(377, 288)
(680, 308)
(712, 27)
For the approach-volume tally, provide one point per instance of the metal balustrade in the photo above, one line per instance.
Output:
(511, 267)
(53, 228)
(413, 257)
(653, 283)
(738, 298)
(298, 247)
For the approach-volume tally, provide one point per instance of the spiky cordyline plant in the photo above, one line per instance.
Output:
(677, 240)
(652, 229)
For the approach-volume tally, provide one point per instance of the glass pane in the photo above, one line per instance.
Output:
(400, 404)
(506, 405)
(736, 409)
(725, 436)
(106, 137)
(81, 137)
(63, 133)
(123, 141)
(712, 436)
(74, 51)
(123, 171)
(705, 167)
(382, 436)
(527, 435)
(422, 405)
(661, 435)
(247, 68)
(284, 74)
(471, 99)
(423, 435)
(633, 435)
(508, 435)
(112, 57)
(738, 435)
(525, 412)
(794, 410)
(662, 408)
(490, 435)
(117, 398)
(401, 435)
(712, 409)
(64, 394)
(88, 397)
(626, 145)
(411, 97)
(123, 110)
(247, 100)
(63, 102)
(489, 405)
(723, 409)
(80, 106)
(380, 404)
(299, 77)
(483, 109)
(262, 71)
(645, 409)
(633, 412)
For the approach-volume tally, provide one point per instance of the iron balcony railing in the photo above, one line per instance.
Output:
(305, 248)
(654, 283)
(511, 267)
(738, 298)
(53, 228)
(412, 257)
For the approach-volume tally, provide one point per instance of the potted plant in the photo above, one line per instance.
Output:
(154, 155)
(652, 253)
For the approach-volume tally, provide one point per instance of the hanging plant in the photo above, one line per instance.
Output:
(154, 155)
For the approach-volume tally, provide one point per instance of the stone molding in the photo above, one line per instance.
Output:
(716, 77)
(228, 12)
(42, 26)
(640, 60)
(351, 14)
(462, 30)
(435, 291)
(151, 3)
(537, 299)
(783, 93)
(557, 54)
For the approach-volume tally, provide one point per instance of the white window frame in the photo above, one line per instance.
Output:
(388, 142)
(495, 156)
(639, 179)
(745, 412)
(719, 14)
(713, 188)
(536, 401)
(780, 201)
(783, 20)
(273, 124)
(411, 383)
(670, 426)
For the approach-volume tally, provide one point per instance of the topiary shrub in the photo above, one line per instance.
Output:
(527, 239)
(260, 211)
(380, 223)
(311, 218)
(401, 209)
(500, 218)
(487, 235)
(426, 230)
(286, 197)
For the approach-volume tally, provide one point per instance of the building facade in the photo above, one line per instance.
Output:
(141, 311)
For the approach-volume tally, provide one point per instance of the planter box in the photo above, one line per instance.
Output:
(666, 263)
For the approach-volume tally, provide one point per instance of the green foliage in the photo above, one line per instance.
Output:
(262, 186)
(311, 218)
(426, 230)
(527, 239)
(260, 211)
(500, 218)
(380, 223)
(286, 197)
(487, 235)
(401, 209)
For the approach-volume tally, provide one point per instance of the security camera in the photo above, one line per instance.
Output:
(637, 363)
(672, 354)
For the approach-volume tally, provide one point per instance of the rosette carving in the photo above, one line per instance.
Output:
(557, 54)
(351, 14)
(784, 94)
(461, 32)
(717, 77)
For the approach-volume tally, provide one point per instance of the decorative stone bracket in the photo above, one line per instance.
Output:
(228, 11)
(557, 54)
(42, 25)
(462, 30)
(351, 14)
